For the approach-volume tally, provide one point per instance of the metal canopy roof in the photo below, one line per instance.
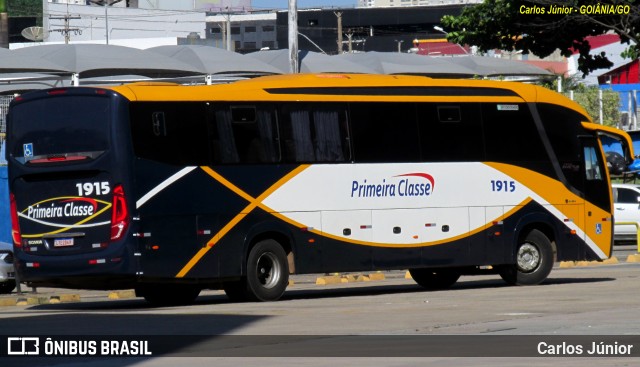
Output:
(213, 60)
(92, 60)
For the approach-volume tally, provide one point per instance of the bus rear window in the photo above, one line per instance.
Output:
(56, 126)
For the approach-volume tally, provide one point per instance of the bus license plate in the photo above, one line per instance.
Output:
(63, 242)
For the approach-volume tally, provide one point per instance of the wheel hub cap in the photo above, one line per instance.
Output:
(268, 270)
(528, 257)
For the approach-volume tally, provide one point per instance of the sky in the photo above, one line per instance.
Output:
(302, 4)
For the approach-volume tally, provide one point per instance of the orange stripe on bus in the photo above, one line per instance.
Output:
(253, 203)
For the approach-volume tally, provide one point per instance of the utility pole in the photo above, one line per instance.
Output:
(350, 42)
(293, 36)
(4, 25)
(106, 4)
(339, 15)
(66, 31)
(223, 39)
(228, 31)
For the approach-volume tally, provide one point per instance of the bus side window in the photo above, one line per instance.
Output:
(224, 143)
(172, 133)
(330, 134)
(384, 132)
(591, 164)
(450, 133)
(244, 134)
(299, 144)
(511, 136)
(561, 126)
(315, 133)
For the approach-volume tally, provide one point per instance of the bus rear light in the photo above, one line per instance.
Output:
(119, 214)
(56, 92)
(58, 158)
(15, 225)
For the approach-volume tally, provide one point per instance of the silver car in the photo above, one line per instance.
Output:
(7, 271)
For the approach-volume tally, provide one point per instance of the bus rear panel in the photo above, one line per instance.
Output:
(67, 186)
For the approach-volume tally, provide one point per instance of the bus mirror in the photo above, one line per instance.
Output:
(613, 139)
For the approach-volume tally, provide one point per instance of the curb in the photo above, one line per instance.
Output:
(39, 300)
(633, 258)
(122, 294)
(610, 261)
(349, 278)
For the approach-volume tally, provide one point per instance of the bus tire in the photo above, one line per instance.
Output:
(534, 261)
(267, 271)
(169, 295)
(434, 278)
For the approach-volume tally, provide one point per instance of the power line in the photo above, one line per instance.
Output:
(66, 31)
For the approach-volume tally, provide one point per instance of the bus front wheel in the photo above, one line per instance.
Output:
(534, 260)
(434, 278)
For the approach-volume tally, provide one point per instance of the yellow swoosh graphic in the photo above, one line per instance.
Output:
(253, 203)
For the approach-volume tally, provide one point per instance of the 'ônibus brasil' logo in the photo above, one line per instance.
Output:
(68, 211)
(406, 185)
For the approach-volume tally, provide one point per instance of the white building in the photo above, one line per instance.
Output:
(205, 5)
(84, 23)
(397, 3)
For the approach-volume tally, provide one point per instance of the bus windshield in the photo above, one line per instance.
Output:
(55, 127)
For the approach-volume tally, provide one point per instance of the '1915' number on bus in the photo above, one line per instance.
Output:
(503, 186)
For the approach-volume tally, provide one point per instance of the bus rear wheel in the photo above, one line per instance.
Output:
(434, 278)
(534, 261)
(267, 271)
(267, 275)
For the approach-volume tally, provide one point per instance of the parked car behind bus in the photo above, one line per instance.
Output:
(7, 272)
(626, 199)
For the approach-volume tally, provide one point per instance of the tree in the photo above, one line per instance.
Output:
(24, 8)
(589, 98)
(4, 25)
(542, 26)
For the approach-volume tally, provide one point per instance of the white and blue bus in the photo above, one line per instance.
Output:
(173, 189)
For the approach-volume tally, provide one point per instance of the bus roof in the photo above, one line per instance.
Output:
(349, 87)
